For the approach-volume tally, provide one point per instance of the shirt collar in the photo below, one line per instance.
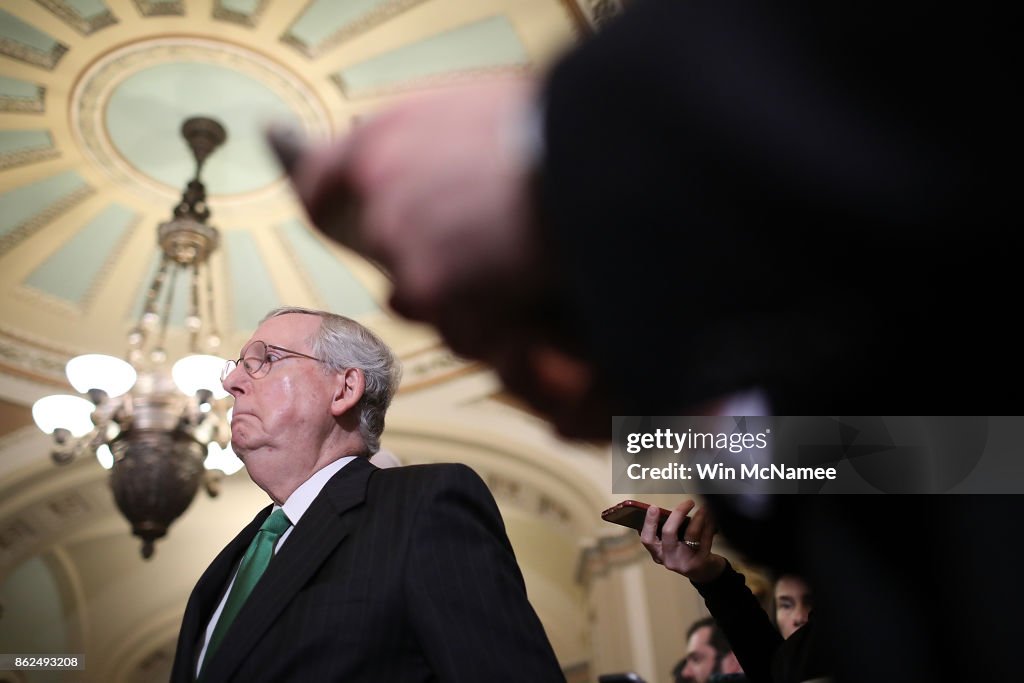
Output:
(303, 497)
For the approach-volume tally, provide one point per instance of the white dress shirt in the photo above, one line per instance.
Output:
(294, 508)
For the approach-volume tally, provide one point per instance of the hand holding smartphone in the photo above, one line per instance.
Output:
(633, 513)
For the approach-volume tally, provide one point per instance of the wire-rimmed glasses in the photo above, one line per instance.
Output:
(257, 358)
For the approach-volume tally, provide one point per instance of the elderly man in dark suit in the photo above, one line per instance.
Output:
(353, 573)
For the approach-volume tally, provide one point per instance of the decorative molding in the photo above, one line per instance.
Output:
(371, 19)
(21, 157)
(16, 437)
(47, 514)
(32, 225)
(432, 366)
(93, 88)
(32, 363)
(514, 492)
(589, 15)
(609, 553)
(16, 536)
(433, 81)
(161, 8)
(70, 16)
(31, 55)
(222, 13)
(41, 343)
(26, 105)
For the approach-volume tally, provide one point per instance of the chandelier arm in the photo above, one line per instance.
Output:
(213, 339)
(194, 321)
(166, 318)
(149, 314)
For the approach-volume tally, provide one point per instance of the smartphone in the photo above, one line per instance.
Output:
(632, 513)
(628, 677)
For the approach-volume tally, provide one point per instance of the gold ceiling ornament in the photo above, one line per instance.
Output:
(161, 430)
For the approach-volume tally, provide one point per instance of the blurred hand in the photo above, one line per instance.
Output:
(697, 564)
(437, 191)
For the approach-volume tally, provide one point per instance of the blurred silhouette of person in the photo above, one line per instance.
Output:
(808, 200)
(707, 653)
(793, 602)
(766, 655)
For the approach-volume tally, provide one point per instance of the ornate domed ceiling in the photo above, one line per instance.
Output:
(92, 97)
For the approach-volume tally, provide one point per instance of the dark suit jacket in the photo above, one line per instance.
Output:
(805, 197)
(813, 198)
(393, 575)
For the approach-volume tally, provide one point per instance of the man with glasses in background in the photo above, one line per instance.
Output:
(354, 573)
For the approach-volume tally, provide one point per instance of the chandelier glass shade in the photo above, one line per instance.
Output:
(162, 430)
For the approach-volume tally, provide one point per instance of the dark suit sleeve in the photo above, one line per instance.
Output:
(466, 596)
(738, 613)
(776, 195)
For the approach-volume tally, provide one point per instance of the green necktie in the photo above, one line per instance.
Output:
(253, 564)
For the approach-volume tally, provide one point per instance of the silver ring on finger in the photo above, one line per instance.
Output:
(694, 545)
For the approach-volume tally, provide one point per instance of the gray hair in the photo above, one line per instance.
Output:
(343, 343)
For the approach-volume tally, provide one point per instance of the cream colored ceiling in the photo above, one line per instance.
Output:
(92, 94)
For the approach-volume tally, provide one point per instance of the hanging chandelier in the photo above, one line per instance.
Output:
(162, 430)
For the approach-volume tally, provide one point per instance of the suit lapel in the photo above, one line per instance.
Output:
(208, 591)
(323, 526)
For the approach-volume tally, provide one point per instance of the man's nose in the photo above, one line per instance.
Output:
(236, 382)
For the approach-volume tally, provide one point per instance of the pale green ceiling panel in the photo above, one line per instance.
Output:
(252, 289)
(12, 87)
(246, 7)
(331, 280)
(73, 271)
(22, 204)
(87, 8)
(325, 23)
(18, 147)
(486, 44)
(27, 43)
(18, 95)
(242, 12)
(13, 28)
(85, 16)
(146, 110)
(22, 140)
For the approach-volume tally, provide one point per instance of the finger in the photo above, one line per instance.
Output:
(670, 532)
(649, 532)
(698, 521)
(707, 536)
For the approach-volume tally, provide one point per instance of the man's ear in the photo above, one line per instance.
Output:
(348, 389)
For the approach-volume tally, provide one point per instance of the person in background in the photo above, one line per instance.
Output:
(793, 603)
(708, 653)
(762, 651)
(806, 199)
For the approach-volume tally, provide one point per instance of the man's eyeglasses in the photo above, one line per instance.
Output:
(257, 358)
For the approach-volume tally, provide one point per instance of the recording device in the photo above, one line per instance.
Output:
(288, 145)
(628, 677)
(632, 513)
